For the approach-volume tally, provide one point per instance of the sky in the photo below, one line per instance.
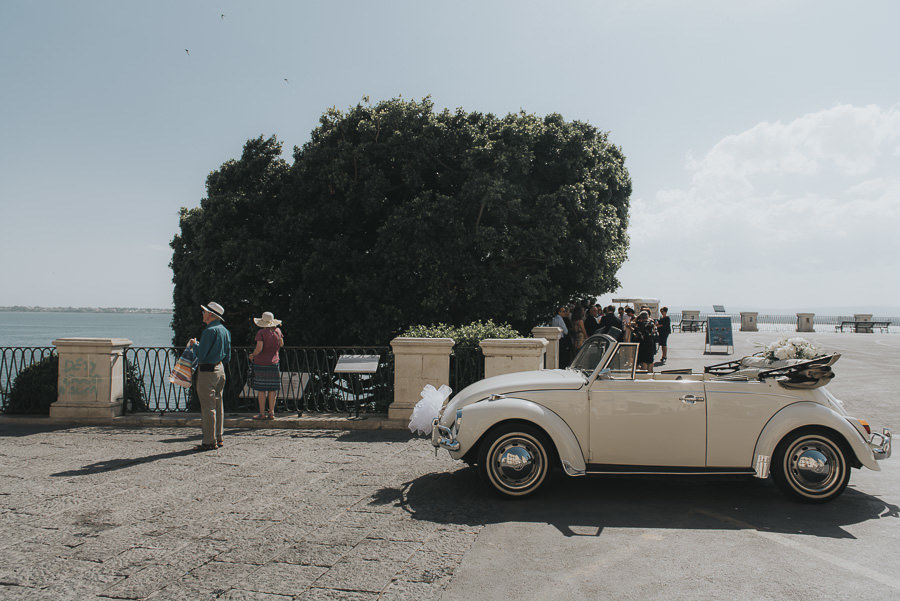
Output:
(762, 138)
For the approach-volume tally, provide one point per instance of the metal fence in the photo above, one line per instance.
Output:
(309, 384)
(788, 323)
(466, 367)
(13, 361)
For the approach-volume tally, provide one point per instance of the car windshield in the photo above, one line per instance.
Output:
(590, 353)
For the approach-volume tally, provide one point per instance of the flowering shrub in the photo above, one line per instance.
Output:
(790, 348)
(467, 336)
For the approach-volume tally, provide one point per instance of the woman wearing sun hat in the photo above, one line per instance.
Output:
(266, 374)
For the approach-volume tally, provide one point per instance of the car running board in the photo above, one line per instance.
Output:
(655, 470)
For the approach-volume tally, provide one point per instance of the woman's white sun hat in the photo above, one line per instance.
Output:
(214, 308)
(267, 320)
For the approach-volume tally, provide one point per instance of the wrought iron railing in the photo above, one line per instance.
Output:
(13, 361)
(309, 383)
(466, 367)
(788, 323)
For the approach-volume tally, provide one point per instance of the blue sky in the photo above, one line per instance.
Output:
(762, 138)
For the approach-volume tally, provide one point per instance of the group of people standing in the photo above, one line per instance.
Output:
(578, 323)
(213, 351)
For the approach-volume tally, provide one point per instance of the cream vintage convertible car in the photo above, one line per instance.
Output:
(600, 416)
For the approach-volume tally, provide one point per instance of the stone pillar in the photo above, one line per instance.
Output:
(748, 321)
(860, 328)
(805, 322)
(417, 362)
(504, 356)
(552, 335)
(90, 377)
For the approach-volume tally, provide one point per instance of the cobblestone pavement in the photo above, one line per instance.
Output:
(131, 513)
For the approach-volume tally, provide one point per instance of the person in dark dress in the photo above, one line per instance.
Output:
(591, 324)
(643, 332)
(664, 329)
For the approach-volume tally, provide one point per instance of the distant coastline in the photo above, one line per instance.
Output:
(23, 309)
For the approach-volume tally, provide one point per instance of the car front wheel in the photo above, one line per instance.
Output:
(811, 466)
(514, 459)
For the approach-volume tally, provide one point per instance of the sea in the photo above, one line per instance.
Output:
(41, 328)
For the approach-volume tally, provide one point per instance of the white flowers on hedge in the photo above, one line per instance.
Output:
(791, 348)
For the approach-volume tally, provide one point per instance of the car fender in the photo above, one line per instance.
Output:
(803, 414)
(478, 418)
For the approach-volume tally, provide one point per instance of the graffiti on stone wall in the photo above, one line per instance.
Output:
(79, 378)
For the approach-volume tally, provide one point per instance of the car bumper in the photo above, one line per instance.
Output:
(444, 437)
(880, 443)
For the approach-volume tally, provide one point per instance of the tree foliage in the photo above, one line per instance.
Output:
(394, 214)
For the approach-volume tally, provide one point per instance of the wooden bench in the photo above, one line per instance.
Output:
(863, 327)
(868, 326)
(692, 325)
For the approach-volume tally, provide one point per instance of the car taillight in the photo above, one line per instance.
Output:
(865, 425)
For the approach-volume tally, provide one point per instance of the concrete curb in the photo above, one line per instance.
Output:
(317, 421)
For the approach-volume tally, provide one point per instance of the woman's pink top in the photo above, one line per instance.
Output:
(271, 339)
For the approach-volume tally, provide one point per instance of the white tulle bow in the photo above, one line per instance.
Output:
(428, 408)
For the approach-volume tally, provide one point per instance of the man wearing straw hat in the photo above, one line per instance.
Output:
(213, 349)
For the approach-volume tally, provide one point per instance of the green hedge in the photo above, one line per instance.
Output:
(34, 389)
(466, 336)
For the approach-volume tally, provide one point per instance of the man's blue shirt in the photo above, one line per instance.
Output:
(215, 343)
(559, 322)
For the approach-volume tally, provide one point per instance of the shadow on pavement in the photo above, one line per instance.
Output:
(118, 464)
(16, 430)
(585, 506)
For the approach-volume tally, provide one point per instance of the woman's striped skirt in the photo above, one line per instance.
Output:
(266, 378)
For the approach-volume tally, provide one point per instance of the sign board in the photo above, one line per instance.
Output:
(719, 308)
(719, 332)
(357, 364)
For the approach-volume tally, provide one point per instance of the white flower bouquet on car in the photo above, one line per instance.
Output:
(791, 348)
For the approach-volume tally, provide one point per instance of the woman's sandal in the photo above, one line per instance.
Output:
(270, 416)
(205, 447)
(259, 416)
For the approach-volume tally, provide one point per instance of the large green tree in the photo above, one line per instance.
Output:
(394, 214)
(229, 247)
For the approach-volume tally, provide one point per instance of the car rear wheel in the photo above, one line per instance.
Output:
(514, 459)
(811, 466)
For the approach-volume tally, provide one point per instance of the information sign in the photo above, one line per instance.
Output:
(356, 364)
(719, 332)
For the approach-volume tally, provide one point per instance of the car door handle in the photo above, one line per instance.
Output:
(690, 399)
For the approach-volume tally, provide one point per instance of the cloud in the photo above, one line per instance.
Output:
(801, 210)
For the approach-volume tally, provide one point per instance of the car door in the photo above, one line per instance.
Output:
(645, 420)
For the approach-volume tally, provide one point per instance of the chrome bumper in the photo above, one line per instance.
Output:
(443, 436)
(880, 443)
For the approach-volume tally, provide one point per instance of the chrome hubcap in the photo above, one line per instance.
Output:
(814, 466)
(517, 462)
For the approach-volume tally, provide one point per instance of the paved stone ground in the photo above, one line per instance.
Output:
(128, 513)
(116, 512)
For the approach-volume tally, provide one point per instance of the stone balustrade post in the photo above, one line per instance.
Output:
(805, 322)
(504, 356)
(552, 335)
(748, 321)
(90, 380)
(860, 328)
(417, 362)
